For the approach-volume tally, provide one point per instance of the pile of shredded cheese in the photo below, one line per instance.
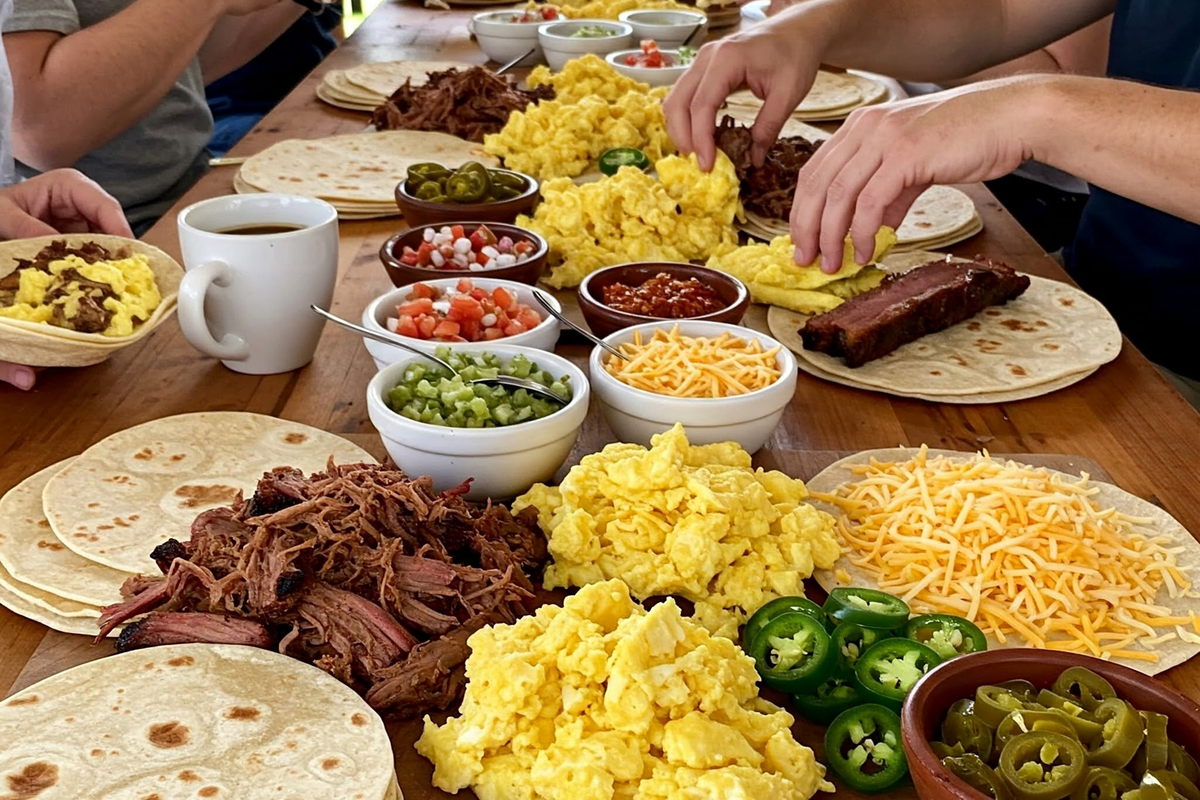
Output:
(1019, 551)
(685, 366)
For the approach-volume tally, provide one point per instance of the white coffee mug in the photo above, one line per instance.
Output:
(245, 297)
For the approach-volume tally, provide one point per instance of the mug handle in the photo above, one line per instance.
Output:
(192, 291)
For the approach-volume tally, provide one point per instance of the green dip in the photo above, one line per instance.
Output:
(592, 32)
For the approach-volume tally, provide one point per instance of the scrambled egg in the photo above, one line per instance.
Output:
(682, 215)
(772, 275)
(595, 109)
(601, 699)
(678, 519)
(131, 279)
(611, 9)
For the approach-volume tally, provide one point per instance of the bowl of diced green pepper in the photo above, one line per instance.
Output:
(440, 424)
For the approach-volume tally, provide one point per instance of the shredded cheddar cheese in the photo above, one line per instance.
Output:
(683, 366)
(1020, 551)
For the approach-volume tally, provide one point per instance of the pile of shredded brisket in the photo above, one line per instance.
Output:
(368, 574)
(92, 316)
(766, 190)
(465, 103)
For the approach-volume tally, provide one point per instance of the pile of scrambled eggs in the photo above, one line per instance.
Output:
(678, 519)
(600, 698)
(771, 274)
(131, 280)
(595, 109)
(682, 215)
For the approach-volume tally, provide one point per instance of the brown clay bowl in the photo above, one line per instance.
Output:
(604, 320)
(402, 274)
(929, 699)
(419, 212)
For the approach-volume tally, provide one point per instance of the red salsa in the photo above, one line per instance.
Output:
(664, 297)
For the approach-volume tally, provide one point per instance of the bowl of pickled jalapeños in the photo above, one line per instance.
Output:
(1025, 724)
(433, 193)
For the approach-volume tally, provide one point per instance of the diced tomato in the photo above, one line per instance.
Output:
(513, 328)
(416, 308)
(529, 318)
(446, 328)
(479, 294)
(631, 60)
(466, 307)
(504, 298)
(549, 13)
(406, 326)
(649, 45)
(480, 258)
(521, 248)
(492, 334)
(420, 290)
(426, 325)
(469, 330)
(456, 231)
(464, 286)
(409, 257)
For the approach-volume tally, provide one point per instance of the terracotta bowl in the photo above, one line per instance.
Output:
(604, 320)
(402, 274)
(419, 212)
(929, 699)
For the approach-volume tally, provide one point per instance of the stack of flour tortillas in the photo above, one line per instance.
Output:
(356, 173)
(1050, 337)
(940, 217)
(832, 97)
(72, 533)
(195, 720)
(366, 86)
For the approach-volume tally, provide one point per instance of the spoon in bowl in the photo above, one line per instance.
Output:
(591, 337)
(511, 381)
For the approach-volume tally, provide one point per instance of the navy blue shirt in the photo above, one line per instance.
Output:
(1143, 264)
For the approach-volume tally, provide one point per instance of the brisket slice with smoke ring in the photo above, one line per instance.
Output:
(906, 307)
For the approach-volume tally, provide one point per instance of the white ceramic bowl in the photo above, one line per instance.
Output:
(504, 41)
(375, 316)
(636, 415)
(503, 462)
(559, 47)
(655, 76)
(669, 28)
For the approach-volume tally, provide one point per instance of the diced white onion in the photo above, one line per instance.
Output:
(506, 260)
(462, 245)
(488, 320)
(437, 258)
(393, 323)
(491, 264)
(490, 252)
(428, 235)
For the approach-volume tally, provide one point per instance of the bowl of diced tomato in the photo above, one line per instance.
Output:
(465, 313)
(464, 249)
(650, 64)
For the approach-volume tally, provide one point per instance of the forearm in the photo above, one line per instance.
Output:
(93, 84)
(936, 40)
(1134, 140)
(234, 41)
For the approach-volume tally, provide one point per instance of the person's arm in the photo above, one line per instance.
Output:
(919, 40)
(73, 93)
(1084, 52)
(1132, 139)
(234, 41)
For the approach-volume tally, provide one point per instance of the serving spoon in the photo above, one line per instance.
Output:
(512, 381)
(591, 337)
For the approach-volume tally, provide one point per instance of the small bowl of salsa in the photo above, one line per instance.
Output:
(634, 294)
(652, 64)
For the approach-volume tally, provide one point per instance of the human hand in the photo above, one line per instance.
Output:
(776, 59)
(18, 375)
(59, 201)
(883, 157)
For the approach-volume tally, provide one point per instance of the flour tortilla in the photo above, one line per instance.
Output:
(382, 78)
(333, 98)
(1170, 653)
(81, 626)
(1050, 332)
(169, 722)
(346, 211)
(357, 167)
(833, 96)
(33, 555)
(129, 493)
(41, 345)
(792, 127)
(339, 84)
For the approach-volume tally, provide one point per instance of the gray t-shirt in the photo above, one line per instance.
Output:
(6, 100)
(161, 155)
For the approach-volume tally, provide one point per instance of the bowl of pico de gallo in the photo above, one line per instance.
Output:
(465, 250)
(651, 64)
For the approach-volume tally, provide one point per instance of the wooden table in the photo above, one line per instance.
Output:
(1125, 417)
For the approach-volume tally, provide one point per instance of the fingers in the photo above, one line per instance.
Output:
(18, 375)
(813, 185)
(77, 196)
(16, 222)
(677, 106)
(721, 76)
(773, 115)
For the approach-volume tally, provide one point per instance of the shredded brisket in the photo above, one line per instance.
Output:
(366, 573)
(92, 316)
(766, 190)
(466, 103)
(906, 307)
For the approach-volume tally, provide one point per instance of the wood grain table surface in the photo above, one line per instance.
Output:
(1124, 418)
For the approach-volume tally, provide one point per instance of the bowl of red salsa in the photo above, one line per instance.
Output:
(634, 294)
(652, 64)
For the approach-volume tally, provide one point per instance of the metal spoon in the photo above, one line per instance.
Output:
(516, 61)
(591, 337)
(692, 35)
(398, 341)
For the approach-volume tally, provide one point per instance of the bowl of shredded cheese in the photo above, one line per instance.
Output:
(723, 382)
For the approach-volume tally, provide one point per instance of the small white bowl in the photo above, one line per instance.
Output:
(504, 41)
(655, 76)
(559, 47)
(669, 28)
(375, 316)
(749, 419)
(503, 462)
